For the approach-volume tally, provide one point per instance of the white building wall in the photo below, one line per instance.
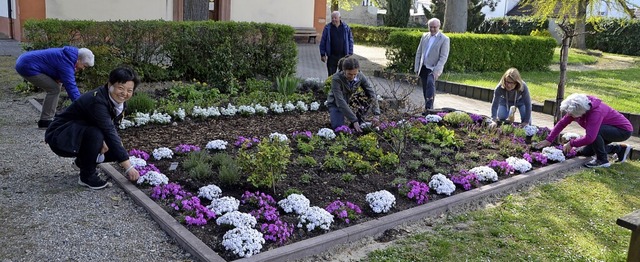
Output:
(4, 8)
(296, 13)
(105, 10)
(505, 5)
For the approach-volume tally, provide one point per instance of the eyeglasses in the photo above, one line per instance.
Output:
(509, 82)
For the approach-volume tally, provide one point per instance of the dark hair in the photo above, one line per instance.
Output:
(123, 75)
(349, 63)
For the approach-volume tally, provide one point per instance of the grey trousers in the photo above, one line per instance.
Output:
(51, 98)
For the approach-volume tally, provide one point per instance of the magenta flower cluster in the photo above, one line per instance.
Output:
(476, 118)
(517, 140)
(536, 157)
(304, 135)
(465, 179)
(387, 125)
(185, 202)
(346, 211)
(246, 142)
(343, 130)
(501, 167)
(415, 190)
(186, 148)
(571, 153)
(145, 169)
(273, 228)
(139, 154)
(442, 114)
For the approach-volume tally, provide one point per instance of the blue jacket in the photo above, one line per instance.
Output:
(57, 63)
(514, 97)
(93, 108)
(325, 42)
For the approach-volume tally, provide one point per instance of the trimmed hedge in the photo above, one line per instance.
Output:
(377, 35)
(219, 53)
(513, 25)
(476, 52)
(614, 35)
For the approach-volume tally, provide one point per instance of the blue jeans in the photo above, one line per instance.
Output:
(336, 116)
(601, 146)
(428, 87)
(503, 112)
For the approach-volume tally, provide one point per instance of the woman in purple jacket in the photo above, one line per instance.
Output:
(47, 68)
(602, 125)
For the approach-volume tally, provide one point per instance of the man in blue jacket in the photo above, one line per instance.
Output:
(336, 42)
(48, 68)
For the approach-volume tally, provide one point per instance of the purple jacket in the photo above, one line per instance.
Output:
(599, 114)
(57, 63)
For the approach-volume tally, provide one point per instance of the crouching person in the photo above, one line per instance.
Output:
(87, 129)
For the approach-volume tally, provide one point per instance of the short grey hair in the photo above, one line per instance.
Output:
(434, 20)
(85, 56)
(335, 13)
(576, 104)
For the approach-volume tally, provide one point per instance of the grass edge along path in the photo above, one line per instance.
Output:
(573, 219)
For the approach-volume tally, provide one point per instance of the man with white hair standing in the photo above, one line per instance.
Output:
(336, 42)
(48, 68)
(431, 55)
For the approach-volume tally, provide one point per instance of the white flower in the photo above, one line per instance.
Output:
(224, 205)
(124, 124)
(553, 154)
(314, 106)
(153, 178)
(210, 192)
(137, 162)
(243, 242)
(246, 110)
(217, 144)
(381, 201)
(315, 217)
(301, 106)
(519, 164)
(162, 152)
(202, 112)
(442, 184)
(276, 108)
(433, 118)
(294, 203)
(327, 133)
(530, 130)
(484, 173)
(279, 137)
(160, 118)
(261, 110)
(237, 219)
(289, 107)
(141, 118)
(568, 136)
(179, 114)
(229, 111)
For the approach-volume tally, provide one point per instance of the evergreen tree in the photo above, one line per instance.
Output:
(397, 13)
(474, 15)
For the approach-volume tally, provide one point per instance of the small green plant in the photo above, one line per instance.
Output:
(253, 85)
(474, 155)
(441, 170)
(306, 178)
(292, 190)
(305, 148)
(427, 147)
(459, 157)
(389, 159)
(347, 177)
(444, 159)
(337, 191)
(141, 102)
(334, 163)
(435, 152)
(25, 87)
(201, 171)
(336, 149)
(220, 159)
(424, 176)
(401, 171)
(457, 118)
(429, 162)
(266, 167)
(398, 181)
(491, 156)
(355, 161)
(306, 161)
(507, 129)
(448, 151)
(193, 159)
(229, 174)
(413, 165)
(287, 85)
(416, 153)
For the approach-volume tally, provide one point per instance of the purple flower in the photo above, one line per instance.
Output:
(442, 114)
(186, 148)
(139, 154)
(277, 232)
(476, 118)
(303, 135)
(189, 206)
(145, 169)
(571, 153)
(415, 190)
(543, 131)
(386, 125)
(245, 142)
(344, 130)
(267, 213)
(346, 211)
(501, 167)
(465, 179)
(517, 140)
(535, 157)
(258, 198)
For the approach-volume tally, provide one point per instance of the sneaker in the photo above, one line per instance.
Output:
(44, 124)
(94, 182)
(512, 114)
(597, 163)
(624, 152)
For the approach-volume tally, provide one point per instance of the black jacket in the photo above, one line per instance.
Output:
(93, 108)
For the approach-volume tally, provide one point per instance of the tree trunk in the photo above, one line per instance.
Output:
(455, 16)
(567, 35)
(196, 10)
(334, 5)
(581, 17)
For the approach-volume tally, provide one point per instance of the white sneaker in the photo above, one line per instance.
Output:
(512, 113)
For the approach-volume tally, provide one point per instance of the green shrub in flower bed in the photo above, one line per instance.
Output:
(297, 179)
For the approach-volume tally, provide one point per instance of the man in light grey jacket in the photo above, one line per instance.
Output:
(431, 55)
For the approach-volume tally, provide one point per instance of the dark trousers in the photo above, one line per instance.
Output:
(601, 146)
(90, 147)
(332, 64)
(428, 87)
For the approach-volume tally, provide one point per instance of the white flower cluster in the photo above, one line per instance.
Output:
(327, 133)
(302, 106)
(243, 242)
(153, 178)
(530, 130)
(160, 118)
(484, 173)
(124, 124)
(279, 137)
(205, 112)
(381, 201)
(210, 192)
(553, 154)
(141, 119)
(433, 118)
(289, 106)
(314, 106)
(519, 164)
(246, 110)
(261, 110)
(566, 137)
(137, 162)
(162, 152)
(276, 108)
(314, 217)
(294, 203)
(237, 219)
(224, 205)
(217, 144)
(231, 110)
(180, 114)
(442, 184)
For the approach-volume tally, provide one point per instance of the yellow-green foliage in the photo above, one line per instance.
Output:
(267, 166)
(457, 118)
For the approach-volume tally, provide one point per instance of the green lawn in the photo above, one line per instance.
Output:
(571, 220)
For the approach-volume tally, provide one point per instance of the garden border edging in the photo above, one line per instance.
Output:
(324, 242)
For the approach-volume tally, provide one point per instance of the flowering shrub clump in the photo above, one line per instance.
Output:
(186, 148)
(294, 203)
(224, 205)
(476, 118)
(345, 211)
(313, 217)
(179, 114)
(277, 231)
(530, 130)
(231, 110)
(166, 191)
(466, 179)
(278, 137)
(162, 152)
(153, 178)
(205, 112)
(145, 169)
(326, 133)
(276, 108)
(217, 145)
(566, 137)
(246, 110)
(245, 142)
(258, 198)
(289, 106)
(210, 192)
(343, 130)
(386, 125)
(535, 157)
(442, 184)
(237, 219)
(415, 190)
(381, 201)
(519, 164)
(314, 106)
(137, 162)
(141, 118)
(139, 154)
(126, 123)
(302, 135)
(433, 118)
(160, 118)
(302, 106)
(485, 173)
(196, 214)
(273, 229)
(261, 110)
(553, 154)
(572, 151)
(502, 168)
(243, 242)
